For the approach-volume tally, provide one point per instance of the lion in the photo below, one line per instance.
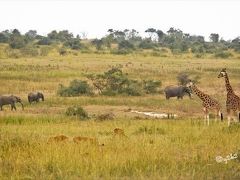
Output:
(58, 138)
(79, 139)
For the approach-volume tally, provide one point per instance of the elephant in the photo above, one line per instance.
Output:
(35, 97)
(6, 100)
(177, 91)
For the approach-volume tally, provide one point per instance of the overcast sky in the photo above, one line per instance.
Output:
(95, 17)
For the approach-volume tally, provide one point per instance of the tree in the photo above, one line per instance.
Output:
(73, 44)
(98, 43)
(31, 34)
(16, 41)
(3, 38)
(151, 32)
(214, 37)
(160, 35)
(125, 45)
(44, 41)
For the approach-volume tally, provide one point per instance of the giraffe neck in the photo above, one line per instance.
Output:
(199, 93)
(227, 83)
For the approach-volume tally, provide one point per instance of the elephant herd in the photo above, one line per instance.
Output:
(170, 91)
(11, 100)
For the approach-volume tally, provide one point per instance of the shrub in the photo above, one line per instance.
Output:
(183, 78)
(121, 51)
(29, 51)
(151, 86)
(114, 82)
(77, 111)
(223, 54)
(106, 116)
(133, 88)
(62, 51)
(76, 88)
(44, 51)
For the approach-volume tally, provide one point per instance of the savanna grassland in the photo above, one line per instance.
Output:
(181, 148)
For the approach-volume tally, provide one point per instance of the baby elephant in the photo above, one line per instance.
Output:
(35, 97)
(6, 100)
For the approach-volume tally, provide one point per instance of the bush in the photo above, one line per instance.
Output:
(151, 86)
(106, 116)
(29, 51)
(76, 88)
(223, 54)
(133, 89)
(44, 50)
(121, 51)
(114, 82)
(62, 51)
(183, 78)
(77, 111)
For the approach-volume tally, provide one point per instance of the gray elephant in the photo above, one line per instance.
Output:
(177, 91)
(35, 97)
(10, 100)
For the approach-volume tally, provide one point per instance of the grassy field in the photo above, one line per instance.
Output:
(181, 148)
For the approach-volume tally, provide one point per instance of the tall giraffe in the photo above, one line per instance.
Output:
(208, 103)
(233, 101)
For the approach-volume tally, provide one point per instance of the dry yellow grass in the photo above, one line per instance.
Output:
(182, 148)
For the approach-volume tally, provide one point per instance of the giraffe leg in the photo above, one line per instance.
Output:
(238, 115)
(228, 116)
(217, 114)
(235, 116)
(206, 116)
(208, 119)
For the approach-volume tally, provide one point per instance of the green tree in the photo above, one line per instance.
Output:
(214, 37)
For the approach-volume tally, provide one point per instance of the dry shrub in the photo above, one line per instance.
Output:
(106, 116)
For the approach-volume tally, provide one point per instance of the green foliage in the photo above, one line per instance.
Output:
(147, 44)
(151, 86)
(17, 42)
(73, 44)
(121, 51)
(77, 111)
(114, 82)
(44, 41)
(76, 88)
(29, 51)
(223, 54)
(125, 45)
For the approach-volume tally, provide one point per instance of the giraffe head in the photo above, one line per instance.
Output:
(222, 73)
(189, 84)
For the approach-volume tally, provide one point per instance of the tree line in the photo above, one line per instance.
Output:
(126, 41)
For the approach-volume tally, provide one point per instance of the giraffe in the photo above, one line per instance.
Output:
(233, 101)
(208, 103)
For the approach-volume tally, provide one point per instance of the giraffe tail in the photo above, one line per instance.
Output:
(239, 116)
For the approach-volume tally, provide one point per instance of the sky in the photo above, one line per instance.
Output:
(95, 17)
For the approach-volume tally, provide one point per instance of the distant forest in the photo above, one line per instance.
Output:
(15, 44)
